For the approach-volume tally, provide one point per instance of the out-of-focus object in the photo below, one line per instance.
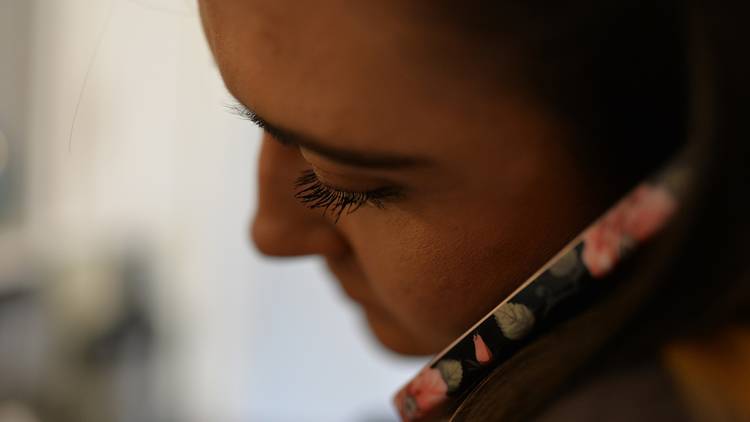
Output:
(12, 411)
(4, 152)
(75, 340)
(10, 181)
(15, 39)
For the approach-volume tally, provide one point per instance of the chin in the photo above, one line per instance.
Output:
(396, 339)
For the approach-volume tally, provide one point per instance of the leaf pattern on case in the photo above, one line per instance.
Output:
(515, 320)
(452, 373)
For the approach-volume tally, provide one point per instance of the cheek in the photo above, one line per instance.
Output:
(433, 281)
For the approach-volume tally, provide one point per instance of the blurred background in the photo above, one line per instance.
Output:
(128, 288)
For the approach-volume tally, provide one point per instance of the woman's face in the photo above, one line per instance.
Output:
(468, 183)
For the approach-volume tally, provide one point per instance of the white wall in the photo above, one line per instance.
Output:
(155, 158)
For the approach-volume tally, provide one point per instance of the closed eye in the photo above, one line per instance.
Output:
(315, 194)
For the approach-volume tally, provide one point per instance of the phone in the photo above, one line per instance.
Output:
(554, 293)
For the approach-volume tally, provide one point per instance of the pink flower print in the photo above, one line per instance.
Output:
(601, 245)
(639, 216)
(481, 351)
(424, 392)
(650, 208)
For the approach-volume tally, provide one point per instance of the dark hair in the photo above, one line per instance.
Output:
(694, 279)
(615, 69)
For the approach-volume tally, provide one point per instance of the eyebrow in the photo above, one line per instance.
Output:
(370, 160)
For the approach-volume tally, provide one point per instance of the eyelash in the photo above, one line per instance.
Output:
(236, 108)
(314, 194)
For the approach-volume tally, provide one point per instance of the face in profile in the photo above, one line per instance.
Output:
(431, 183)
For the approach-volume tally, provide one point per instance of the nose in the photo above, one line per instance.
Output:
(282, 226)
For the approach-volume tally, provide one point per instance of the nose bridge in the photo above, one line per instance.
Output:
(282, 225)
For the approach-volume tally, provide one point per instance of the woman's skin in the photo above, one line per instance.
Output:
(375, 95)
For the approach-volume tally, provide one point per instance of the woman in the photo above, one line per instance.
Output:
(442, 156)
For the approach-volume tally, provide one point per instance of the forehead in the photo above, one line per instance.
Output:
(334, 66)
(329, 33)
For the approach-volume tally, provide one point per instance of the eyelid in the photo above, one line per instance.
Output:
(380, 192)
(357, 177)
